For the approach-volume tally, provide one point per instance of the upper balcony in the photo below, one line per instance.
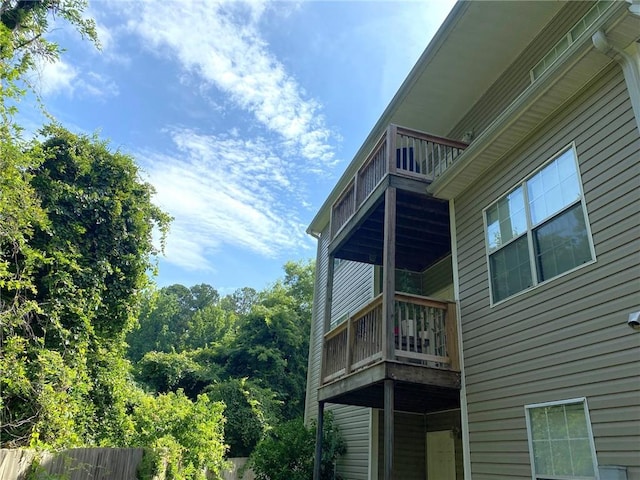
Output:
(409, 161)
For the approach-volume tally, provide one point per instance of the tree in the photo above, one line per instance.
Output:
(168, 372)
(240, 301)
(83, 270)
(251, 411)
(273, 339)
(185, 435)
(23, 43)
(177, 318)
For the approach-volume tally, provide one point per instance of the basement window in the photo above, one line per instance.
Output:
(560, 441)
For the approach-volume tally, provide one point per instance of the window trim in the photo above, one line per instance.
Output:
(592, 445)
(530, 227)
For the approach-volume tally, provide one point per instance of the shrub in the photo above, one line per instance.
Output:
(287, 453)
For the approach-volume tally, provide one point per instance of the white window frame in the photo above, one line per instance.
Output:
(530, 228)
(583, 401)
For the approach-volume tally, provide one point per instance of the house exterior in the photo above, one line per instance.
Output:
(478, 264)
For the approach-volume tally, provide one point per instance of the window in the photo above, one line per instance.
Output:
(560, 441)
(538, 230)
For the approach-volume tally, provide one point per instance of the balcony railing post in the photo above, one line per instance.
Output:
(388, 275)
(392, 134)
(451, 326)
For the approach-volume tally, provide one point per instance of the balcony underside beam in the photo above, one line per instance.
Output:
(418, 388)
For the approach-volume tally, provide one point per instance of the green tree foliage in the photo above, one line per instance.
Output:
(241, 301)
(248, 349)
(23, 42)
(75, 248)
(80, 270)
(251, 411)
(185, 435)
(177, 318)
(188, 370)
(272, 343)
(287, 453)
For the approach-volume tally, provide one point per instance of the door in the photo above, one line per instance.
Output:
(441, 455)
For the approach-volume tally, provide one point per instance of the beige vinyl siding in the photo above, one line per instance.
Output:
(568, 337)
(317, 328)
(352, 288)
(438, 280)
(409, 452)
(409, 446)
(354, 425)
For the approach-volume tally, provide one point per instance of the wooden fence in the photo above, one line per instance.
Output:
(90, 463)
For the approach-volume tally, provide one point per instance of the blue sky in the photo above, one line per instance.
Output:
(241, 114)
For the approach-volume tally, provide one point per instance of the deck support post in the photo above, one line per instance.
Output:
(319, 427)
(389, 275)
(329, 296)
(388, 428)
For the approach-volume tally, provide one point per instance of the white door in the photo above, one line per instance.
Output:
(441, 456)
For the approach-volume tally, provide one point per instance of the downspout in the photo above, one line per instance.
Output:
(464, 411)
(629, 60)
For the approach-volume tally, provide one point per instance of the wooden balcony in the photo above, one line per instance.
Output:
(424, 363)
(413, 158)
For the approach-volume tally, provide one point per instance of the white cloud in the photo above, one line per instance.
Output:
(54, 78)
(221, 43)
(224, 191)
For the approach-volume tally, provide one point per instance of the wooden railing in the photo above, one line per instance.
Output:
(425, 333)
(399, 151)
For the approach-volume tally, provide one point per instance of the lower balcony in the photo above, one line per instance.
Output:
(419, 353)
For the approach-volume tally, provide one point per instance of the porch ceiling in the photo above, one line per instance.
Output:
(422, 233)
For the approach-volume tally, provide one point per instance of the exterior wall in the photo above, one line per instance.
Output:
(352, 288)
(449, 420)
(438, 280)
(409, 453)
(354, 425)
(567, 338)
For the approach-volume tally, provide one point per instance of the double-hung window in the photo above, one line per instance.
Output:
(560, 441)
(539, 229)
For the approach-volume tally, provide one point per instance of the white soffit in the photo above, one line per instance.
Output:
(484, 41)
